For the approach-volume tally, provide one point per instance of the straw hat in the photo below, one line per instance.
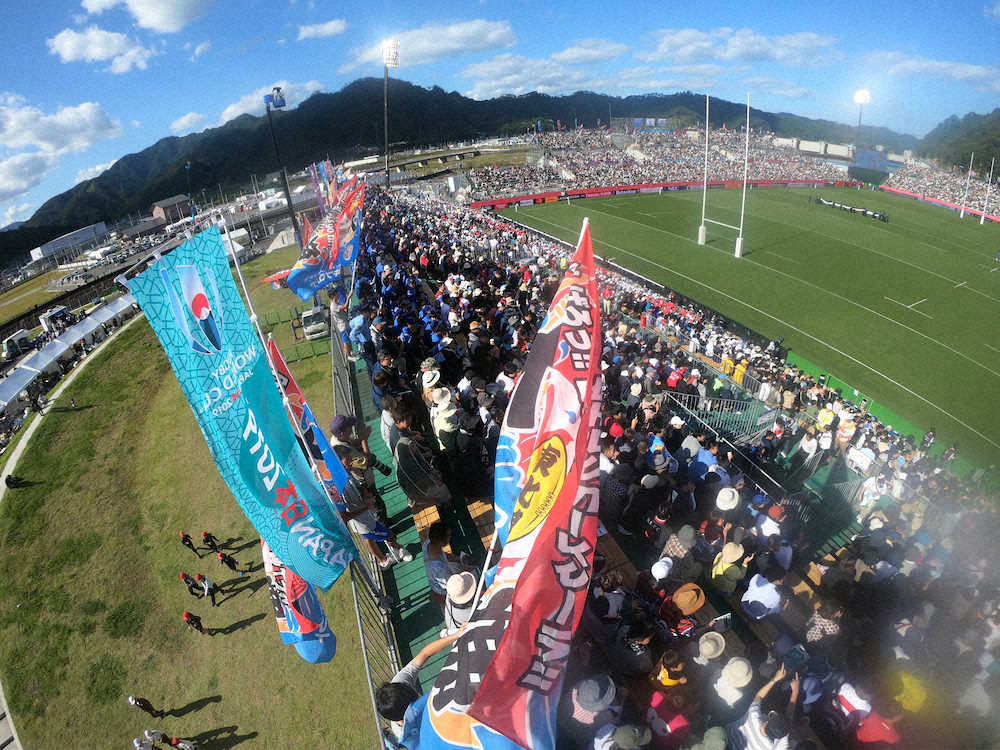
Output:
(711, 645)
(461, 587)
(661, 568)
(635, 389)
(737, 673)
(689, 598)
(430, 378)
(441, 395)
(727, 499)
(732, 552)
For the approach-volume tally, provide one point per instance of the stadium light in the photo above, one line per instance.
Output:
(861, 98)
(390, 59)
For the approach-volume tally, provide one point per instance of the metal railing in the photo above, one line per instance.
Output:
(741, 421)
(371, 606)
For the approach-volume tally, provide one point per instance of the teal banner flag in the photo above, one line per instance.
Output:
(192, 303)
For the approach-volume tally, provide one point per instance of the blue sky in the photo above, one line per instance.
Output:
(88, 82)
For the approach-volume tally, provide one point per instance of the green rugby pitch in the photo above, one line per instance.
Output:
(906, 312)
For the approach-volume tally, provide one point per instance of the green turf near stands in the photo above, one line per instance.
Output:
(906, 312)
(90, 609)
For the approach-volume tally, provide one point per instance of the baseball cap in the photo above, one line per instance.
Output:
(340, 423)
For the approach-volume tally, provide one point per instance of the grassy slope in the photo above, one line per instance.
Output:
(25, 296)
(806, 273)
(92, 550)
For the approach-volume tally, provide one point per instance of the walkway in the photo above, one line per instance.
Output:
(8, 734)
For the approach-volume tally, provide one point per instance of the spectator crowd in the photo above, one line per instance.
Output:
(892, 641)
(591, 158)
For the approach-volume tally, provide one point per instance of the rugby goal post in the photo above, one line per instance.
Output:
(702, 231)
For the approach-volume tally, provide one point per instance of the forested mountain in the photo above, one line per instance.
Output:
(955, 139)
(348, 124)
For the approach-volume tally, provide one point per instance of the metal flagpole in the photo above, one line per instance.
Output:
(989, 184)
(968, 176)
(746, 167)
(704, 186)
(287, 404)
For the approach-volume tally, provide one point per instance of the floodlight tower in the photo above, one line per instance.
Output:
(276, 100)
(861, 98)
(390, 59)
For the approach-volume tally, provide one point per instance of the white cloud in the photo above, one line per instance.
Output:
(801, 49)
(164, 16)
(253, 103)
(89, 173)
(135, 124)
(198, 51)
(190, 121)
(94, 44)
(590, 51)
(21, 172)
(900, 65)
(434, 41)
(17, 212)
(993, 11)
(69, 129)
(41, 139)
(320, 30)
(777, 87)
(516, 74)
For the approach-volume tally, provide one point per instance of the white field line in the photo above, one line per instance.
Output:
(992, 347)
(909, 229)
(910, 307)
(816, 287)
(961, 284)
(792, 327)
(778, 255)
(879, 252)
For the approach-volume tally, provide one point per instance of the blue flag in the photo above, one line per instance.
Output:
(192, 303)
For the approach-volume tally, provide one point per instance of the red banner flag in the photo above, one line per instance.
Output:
(306, 231)
(519, 637)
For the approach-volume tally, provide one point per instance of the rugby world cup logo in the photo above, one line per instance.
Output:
(197, 303)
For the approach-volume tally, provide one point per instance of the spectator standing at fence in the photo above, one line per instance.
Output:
(400, 701)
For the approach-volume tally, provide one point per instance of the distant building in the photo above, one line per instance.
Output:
(69, 244)
(172, 209)
(142, 228)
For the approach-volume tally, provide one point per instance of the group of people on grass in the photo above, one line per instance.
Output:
(849, 659)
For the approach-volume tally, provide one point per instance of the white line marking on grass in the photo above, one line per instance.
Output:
(778, 255)
(917, 303)
(909, 307)
(877, 252)
(992, 347)
(814, 286)
(962, 284)
(791, 326)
